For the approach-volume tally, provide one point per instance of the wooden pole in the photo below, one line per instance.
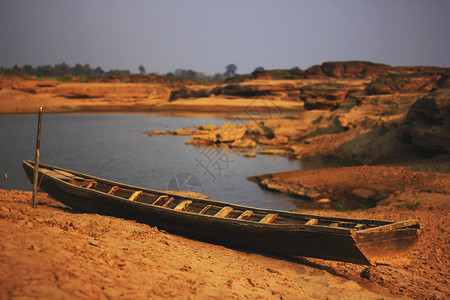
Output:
(36, 159)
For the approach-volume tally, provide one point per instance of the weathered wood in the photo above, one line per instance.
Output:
(168, 202)
(390, 227)
(205, 209)
(245, 215)
(269, 218)
(287, 235)
(183, 205)
(36, 159)
(113, 190)
(312, 222)
(360, 226)
(161, 199)
(135, 195)
(225, 211)
(91, 184)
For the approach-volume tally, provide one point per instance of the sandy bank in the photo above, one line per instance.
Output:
(54, 252)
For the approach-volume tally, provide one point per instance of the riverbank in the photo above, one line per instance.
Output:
(54, 251)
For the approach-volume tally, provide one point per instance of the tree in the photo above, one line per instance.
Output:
(141, 69)
(230, 70)
(259, 69)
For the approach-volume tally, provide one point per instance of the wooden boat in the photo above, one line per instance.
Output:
(262, 230)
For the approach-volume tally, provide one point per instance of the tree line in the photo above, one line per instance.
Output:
(64, 70)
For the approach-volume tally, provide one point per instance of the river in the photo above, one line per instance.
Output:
(114, 147)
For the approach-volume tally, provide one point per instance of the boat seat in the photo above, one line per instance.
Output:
(245, 215)
(168, 202)
(225, 211)
(269, 218)
(161, 199)
(360, 226)
(183, 205)
(90, 184)
(113, 190)
(135, 195)
(205, 209)
(312, 222)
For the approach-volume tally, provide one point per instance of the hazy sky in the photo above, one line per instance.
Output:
(208, 35)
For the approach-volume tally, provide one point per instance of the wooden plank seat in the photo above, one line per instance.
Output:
(205, 209)
(225, 211)
(245, 215)
(312, 222)
(90, 184)
(183, 205)
(168, 202)
(161, 199)
(269, 218)
(135, 196)
(113, 190)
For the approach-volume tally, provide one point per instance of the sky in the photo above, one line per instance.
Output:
(208, 35)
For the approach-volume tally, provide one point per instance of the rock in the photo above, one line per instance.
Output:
(427, 124)
(365, 273)
(403, 83)
(247, 143)
(342, 122)
(184, 132)
(190, 92)
(348, 69)
(272, 151)
(324, 200)
(272, 185)
(156, 132)
(230, 132)
(325, 95)
(206, 138)
(365, 194)
(265, 141)
(208, 127)
(254, 90)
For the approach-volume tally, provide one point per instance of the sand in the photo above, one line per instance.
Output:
(54, 252)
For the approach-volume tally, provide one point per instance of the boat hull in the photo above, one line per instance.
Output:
(325, 243)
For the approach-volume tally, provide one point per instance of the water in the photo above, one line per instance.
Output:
(113, 146)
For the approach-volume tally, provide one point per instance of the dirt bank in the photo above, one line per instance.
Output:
(54, 252)
(420, 192)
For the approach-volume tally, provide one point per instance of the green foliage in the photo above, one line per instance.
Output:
(61, 79)
(393, 75)
(341, 206)
(176, 79)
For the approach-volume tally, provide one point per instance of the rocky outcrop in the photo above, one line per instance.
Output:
(404, 83)
(324, 95)
(189, 92)
(427, 124)
(351, 69)
(253, 90)
(335, 69)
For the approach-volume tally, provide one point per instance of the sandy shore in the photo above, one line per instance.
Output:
(52, 251)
